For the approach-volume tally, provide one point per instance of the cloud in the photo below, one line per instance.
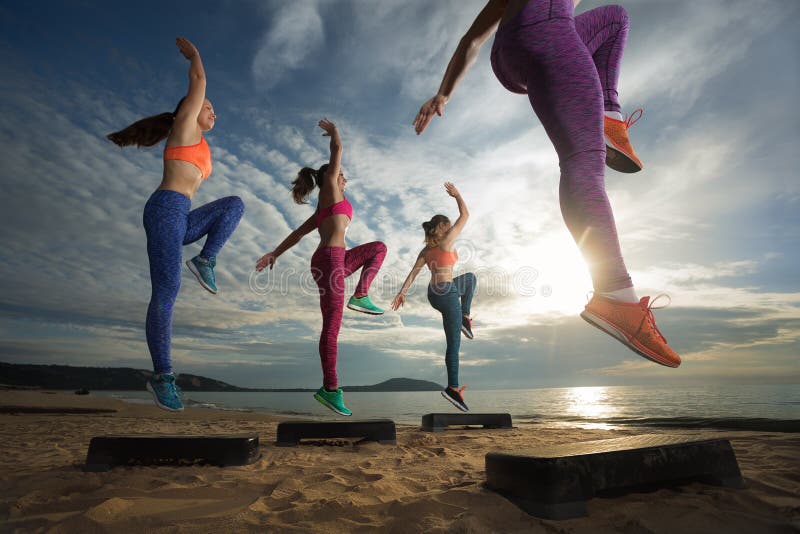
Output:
(295, 32)
(76, 261)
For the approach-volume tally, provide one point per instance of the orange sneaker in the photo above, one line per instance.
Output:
(634, 325)
(619, 152)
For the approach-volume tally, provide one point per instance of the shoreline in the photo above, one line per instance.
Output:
(427, 482)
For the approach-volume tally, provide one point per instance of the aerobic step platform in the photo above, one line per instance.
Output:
(555, 482)
(106, 452)
(437, 422)
(380, 430)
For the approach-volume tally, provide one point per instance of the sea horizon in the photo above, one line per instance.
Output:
(743, 407)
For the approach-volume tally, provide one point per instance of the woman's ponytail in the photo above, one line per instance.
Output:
(148, 131)
(306, 179)
(430, 229)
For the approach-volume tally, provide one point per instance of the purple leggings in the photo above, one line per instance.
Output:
(329, 267)
(569, 68)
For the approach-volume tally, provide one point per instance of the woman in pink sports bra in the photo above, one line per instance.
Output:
(332, 262)
(452, 297)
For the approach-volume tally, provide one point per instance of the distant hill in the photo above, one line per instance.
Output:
(115, 378)
(129, 379)
(399, 384)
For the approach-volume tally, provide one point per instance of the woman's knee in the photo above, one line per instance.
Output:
(379, 247)
(235, 204)
(618, 14)
(165, 294)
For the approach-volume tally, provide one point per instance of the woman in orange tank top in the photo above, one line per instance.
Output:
(168, 221)
(452, 297)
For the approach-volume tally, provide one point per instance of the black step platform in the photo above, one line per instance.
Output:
(106, 452)
(380, 430)
(437, 422)
(555, 482)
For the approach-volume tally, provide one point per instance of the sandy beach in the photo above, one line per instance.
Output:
(426, 483)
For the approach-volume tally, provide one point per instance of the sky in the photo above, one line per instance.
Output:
(713, 220)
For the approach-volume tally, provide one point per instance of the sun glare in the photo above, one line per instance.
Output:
(563, 279)
(589, 402)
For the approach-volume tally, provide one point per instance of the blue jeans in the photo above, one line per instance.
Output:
(169, 226)
(453, 300)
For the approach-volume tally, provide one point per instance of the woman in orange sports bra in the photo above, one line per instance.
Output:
(168, 221)
(332, 262)
(452, 297)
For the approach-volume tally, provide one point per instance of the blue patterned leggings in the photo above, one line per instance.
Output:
(453, 300)
(169, 226)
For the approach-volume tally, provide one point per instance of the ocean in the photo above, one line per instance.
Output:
(773, 408)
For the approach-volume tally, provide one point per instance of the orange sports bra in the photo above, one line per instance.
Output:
(199, 155)
(436, 258)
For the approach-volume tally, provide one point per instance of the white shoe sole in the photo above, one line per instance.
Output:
(454, 403)
(467, 334)
(363, 310)
(330, 406)
(196, 274)
(609, 329)
(155, 398)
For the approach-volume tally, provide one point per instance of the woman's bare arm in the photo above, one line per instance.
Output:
(463, 58)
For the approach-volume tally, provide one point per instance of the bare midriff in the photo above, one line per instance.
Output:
(442, 274)
(181, 176)
(332, 230)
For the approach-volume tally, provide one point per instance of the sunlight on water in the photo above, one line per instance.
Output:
(590, 403)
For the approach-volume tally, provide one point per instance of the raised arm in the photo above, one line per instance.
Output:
(269, 258)
(400, 299)
(465, 55)
(185, 126)
(463, 215)
(329, 181)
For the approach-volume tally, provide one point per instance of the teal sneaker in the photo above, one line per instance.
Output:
(364, 305)
(333, 400)
(204, 271)
(165, 392)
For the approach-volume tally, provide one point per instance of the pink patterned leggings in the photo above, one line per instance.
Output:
(329, 267)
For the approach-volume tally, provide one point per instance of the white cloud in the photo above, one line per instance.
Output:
(295, 32)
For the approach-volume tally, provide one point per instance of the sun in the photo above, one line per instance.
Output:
(563, 278)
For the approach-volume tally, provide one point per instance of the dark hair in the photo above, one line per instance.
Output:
(148, 131)
(430, 229)
(305, 181)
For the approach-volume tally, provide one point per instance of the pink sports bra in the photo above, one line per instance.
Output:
(342, 207)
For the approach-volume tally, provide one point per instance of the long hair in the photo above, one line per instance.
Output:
(430, 229)
(306, 179)
(148, 131)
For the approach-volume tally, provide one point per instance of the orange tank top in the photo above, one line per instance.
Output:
(436, 258)
(198, 155)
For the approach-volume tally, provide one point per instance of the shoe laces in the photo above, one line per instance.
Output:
(633, 118)
(651, 320)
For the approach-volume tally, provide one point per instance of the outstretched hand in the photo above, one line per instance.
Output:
(267, 259)
(451, 190)
(186, 47)
(398, 301)
(329, 127)
(434, 106)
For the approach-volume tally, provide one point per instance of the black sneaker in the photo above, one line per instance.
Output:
(466, 326)
(454, 396)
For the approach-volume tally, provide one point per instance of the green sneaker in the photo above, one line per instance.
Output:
(333, 400)
(364, 305)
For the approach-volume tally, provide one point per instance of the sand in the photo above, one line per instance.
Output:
(426, 483)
